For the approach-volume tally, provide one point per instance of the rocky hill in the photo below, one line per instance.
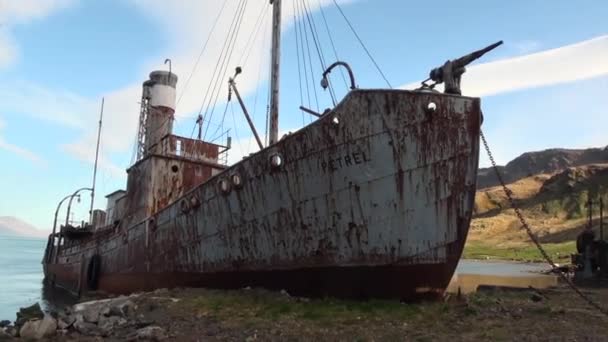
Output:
(13, 226)
(553, 201)
(542, 162)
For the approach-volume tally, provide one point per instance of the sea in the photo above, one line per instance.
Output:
(21, 277)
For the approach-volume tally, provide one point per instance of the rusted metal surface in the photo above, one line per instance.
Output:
(373, 199)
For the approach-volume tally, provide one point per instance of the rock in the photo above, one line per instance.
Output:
(88, 329)
(39, 329)
(5, 335)
(536, 297)
(65, 322)
(152, 333)
(12, 331)
(29, 313)
(107, 324)
(159, 292)
(123, 309)
(4, 324)
(91, 315)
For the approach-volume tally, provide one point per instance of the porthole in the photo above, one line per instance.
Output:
(431, 107)
(335, 120)
(276, 160)
(237, 181)
(174, 168)
(224, 186)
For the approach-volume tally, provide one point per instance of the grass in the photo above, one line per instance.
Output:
(262, 305)
(559, 252)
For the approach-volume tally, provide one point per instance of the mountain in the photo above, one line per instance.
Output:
(10, 225)
(552, 189)
(541, 162)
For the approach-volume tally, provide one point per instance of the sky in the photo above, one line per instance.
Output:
(545, 87)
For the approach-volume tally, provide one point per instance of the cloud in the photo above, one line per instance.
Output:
(583, 60)
(15, 12)
(19, 151)
(186, 26)
(23, 11)
(8, 49)
(53, 105)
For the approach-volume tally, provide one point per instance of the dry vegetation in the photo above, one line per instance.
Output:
(554, 206)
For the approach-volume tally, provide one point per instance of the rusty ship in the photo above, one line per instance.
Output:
(372, 199)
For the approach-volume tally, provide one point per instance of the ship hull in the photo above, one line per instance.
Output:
(372, 200)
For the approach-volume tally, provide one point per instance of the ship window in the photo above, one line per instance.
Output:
(178, 148)
(276, 160)
(174, 168)
(431, 107)
(335, 120)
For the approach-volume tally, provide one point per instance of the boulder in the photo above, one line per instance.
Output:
(4, 336)
(65, 322)
(88, 329)
(151, 333)
(107, 324)
(29, 313)
(39, 329)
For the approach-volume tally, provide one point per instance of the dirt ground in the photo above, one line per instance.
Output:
(257, 315)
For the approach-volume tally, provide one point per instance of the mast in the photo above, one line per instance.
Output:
(275, 64)
(96, 159)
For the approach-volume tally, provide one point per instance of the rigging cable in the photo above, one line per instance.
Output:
(333, 46)
(200, 55)
(315, 38)
(217, 65)
(254, 33)
(295, 20)
(298, 24)
(362, 44)
(312, 75)
(224, 66)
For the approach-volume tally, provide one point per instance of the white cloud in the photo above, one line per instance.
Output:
(20, 11)
(8, 49)
(54, 105)
(187, 25)
(583, 60)
(19, 151)
(14, 12)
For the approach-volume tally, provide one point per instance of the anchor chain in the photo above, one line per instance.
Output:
(532, 236)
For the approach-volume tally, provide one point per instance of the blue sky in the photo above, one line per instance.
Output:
(545, 87)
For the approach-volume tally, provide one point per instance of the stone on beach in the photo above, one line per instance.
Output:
(39, 329)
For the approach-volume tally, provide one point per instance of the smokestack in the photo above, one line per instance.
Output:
(159, 90)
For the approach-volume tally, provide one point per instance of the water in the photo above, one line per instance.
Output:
(20, 273)
(21, 276)
(470, 274)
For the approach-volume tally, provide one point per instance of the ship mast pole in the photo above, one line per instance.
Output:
(274, 71)
(96, 159)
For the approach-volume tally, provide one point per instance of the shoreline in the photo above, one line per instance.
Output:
(188, 314)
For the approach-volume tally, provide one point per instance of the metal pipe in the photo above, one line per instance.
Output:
(251, 125)
(96, 159)
(51, 242)
(67, 216)
(310, 111)
(324, 81)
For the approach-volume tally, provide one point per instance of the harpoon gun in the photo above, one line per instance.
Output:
(451, 72)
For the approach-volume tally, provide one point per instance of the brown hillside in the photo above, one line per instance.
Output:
(542, 162)
(554, 205)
